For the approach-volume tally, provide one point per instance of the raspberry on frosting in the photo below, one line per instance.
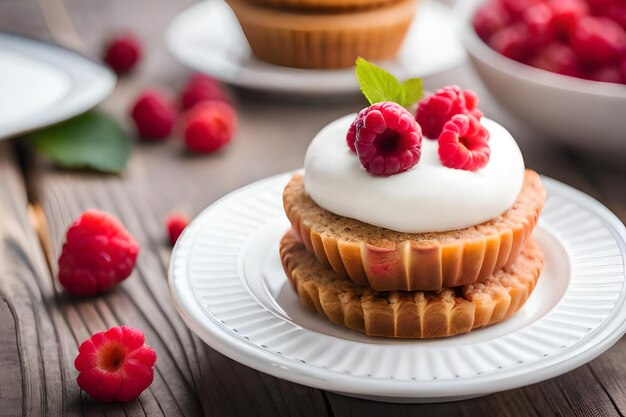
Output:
(115, 365)
(351, 135)
(388, 140)
(463, 143)
(434, 111)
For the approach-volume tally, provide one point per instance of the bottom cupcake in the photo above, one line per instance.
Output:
(416, 314)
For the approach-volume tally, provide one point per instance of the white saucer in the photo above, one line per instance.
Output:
(207, 38)
(228, 284)
(42, 84)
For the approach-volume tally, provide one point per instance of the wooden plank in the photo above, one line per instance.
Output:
(33, 375)
(11, 388)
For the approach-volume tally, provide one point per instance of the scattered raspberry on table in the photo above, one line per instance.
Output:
(115, 365)
(175, 224)
(98, 254)
(123, 52)
(387, 139)
(201, 88)
(464, 143)
(209, 126)
(154, 115)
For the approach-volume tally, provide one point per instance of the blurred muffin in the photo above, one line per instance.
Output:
(319, 39)
(324, 5)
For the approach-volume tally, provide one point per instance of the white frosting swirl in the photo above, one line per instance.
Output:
(427, 198)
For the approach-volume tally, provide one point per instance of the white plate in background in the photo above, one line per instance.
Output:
(227, 283)
(207, 38)
(42, 84)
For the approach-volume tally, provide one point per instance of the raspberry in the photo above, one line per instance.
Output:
(517, 7)
(209, 126)
(434, 111)
(201, 88)
(388, 139)
(351, 135)
(123, 52)
(115, 365)
(154, 116)
(512, 42)
(598, 41)
(538, 21)
(463, 144)
(609, 74)
(175, 224)
(566, 13)
(558, 58)
(616, 12)
(597, 5)
(98, 253)
(489, 19)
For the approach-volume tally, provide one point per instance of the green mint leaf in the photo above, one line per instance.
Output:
(377, 84)
(413, 91)
(91, 140)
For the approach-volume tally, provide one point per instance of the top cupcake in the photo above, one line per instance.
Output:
(463, 171)
(397, 201)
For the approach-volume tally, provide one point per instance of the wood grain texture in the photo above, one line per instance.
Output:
(41, 327)
(32, 353)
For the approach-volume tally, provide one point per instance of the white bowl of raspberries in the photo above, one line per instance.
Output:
(560, 65)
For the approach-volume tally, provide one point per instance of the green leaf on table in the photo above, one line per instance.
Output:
(92, 140)
(379, 85)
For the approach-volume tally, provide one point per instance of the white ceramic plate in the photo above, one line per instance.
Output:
(207, 38)
(228, 284)
(42, 84)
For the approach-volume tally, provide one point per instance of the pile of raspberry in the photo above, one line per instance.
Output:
(578, 38)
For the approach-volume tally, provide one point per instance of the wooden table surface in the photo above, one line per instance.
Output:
(41, 327)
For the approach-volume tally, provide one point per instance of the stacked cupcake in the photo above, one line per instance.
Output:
(323, 33)
(401, 237)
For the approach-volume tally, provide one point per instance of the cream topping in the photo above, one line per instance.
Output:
(427, 198)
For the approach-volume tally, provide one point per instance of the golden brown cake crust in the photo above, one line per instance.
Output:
(310, 39)
(387, 260)
(415, 314)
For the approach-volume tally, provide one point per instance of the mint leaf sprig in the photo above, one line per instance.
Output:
(379, 85)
